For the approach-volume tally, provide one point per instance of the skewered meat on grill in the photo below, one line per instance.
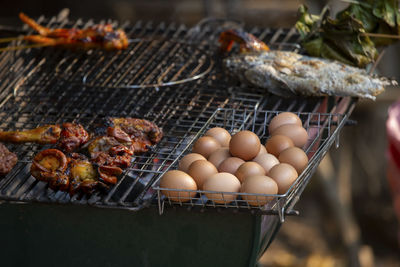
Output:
(48, 134)
(97, 36)
(7, 160)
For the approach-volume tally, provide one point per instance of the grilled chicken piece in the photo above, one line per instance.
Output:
(143, 133)
(83, 176)
(107, 151)
(111, 156)
(48, 134)
(50, 166)
(247, 41)
(69, 137)
(97, 36)
(72, 137)
(7, 160)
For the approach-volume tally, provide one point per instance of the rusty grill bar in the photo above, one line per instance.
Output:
(53, 85)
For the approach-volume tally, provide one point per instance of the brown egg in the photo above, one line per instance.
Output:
(277, 143)
(259, 184)
(219, 156)
(185, 162)
(222, 182)
(284, 175)
(205, 145)
(296, 157)
(282, 119)
(297, 133)
(263, 150)
(248, 169)
(267, 161)
(178, 180)
(230, 165)
(200, 170)
(244, 145)
(220, 134)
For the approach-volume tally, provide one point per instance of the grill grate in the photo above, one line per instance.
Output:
(47, 86)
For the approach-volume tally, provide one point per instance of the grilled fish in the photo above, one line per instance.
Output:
(288, 73)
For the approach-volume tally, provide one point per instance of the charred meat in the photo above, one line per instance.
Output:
(69, 136)
(7, 160)
(48, 134)
(97, 36)
(72, 174)
(50, 166)
(143, 133)
(72, 137)
(107, 151)
(83, 175)
(108, 155)
(246, 41)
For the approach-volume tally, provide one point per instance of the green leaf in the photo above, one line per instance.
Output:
(362, 13)
(386, 10)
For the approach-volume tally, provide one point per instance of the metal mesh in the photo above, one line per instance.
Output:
(47, 86)
(322, 128)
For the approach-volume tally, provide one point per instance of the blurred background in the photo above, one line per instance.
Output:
(346, 213)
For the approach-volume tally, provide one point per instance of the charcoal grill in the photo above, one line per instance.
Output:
(172, 76)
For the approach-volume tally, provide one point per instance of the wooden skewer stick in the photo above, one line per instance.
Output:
(10, 39)
(381, 35)
(20, 47)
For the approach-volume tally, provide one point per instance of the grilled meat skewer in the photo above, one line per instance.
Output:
(97, 36)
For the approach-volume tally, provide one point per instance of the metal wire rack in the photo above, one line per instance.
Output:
(53, 85)
(322, 128)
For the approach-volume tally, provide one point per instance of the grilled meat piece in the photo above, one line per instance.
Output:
(72, 137)
(288, 73)
(107, 151)
(143, 133)
(109, 174)
(48, 134)
(111, 156)
(247, 41)
(72, 174)
(50, 166)
(83, 176)
(7, 160)
(97, 36)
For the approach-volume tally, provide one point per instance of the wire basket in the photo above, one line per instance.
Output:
(322, 128)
